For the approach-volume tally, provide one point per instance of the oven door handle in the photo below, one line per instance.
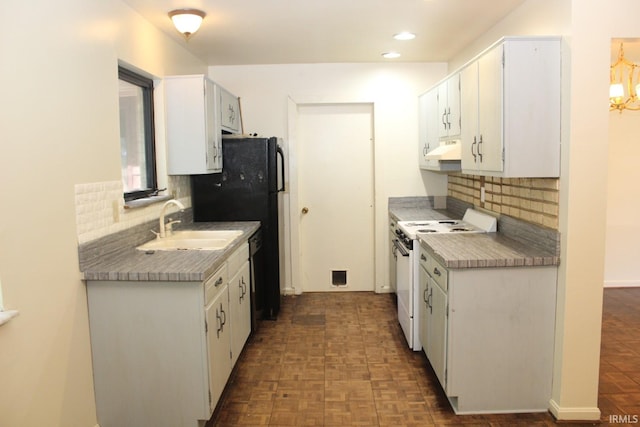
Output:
(400, 247)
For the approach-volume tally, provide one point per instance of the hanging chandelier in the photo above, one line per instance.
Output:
(624, 84)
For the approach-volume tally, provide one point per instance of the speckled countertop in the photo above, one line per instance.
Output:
(129, 264)
(485, 250)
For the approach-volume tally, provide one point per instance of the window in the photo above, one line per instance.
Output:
(137, 142)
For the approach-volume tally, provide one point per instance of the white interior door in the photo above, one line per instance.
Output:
(335, 197)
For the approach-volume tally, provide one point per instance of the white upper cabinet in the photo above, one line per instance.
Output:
(229, 111)
(510, 107)
(197, 111)
(427, 125)
(449, 107)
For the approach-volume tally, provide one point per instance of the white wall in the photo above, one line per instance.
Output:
(623, 200)
(539, 17)
(266, 90)
(59, 127)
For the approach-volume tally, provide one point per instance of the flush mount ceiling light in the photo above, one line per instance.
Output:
(623, 84)
(187, 21)
(404, 35)
(391, 55)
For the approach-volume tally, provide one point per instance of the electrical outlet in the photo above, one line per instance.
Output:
(482, 194)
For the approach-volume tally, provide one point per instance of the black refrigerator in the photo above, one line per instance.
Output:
(247, 190)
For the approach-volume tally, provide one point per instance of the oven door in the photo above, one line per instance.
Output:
(404, 289)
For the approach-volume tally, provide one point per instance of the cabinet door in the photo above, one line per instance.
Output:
(490, 96)
(240, 306)
(481, 107)
(213, 135)
(424, 310)
(449, 107)
(427, 125)
(229, 111)
(469, 110)
(437, 331)
(443, 106)
(193, 133)
(218, 344)
(453, 101)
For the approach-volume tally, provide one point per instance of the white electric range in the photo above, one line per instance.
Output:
(408, 266)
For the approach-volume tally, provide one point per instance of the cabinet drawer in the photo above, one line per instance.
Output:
(424, 259)
(236, 259)
(215, 284)
(438, 272)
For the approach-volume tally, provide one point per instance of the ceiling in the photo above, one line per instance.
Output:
(240, 32)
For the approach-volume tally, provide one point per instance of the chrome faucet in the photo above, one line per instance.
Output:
(163, 232)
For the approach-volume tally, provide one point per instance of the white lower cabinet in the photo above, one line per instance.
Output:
(239, 302)
(488, 334)
(433, 315)
(163, 351)
(218, 343)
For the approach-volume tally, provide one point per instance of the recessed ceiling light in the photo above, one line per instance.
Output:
(390, 55)
(405, 35)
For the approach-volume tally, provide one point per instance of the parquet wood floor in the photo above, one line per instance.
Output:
(340, 359)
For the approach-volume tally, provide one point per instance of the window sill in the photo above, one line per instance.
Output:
(147, 201)
(5, 316)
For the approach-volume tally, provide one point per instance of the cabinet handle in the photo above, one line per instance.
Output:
(232, 114)
(243, 288)
(480, 145)
(224, 317)
(449, 117)
(219, 319)
(425, 298)
(436, 271)
(472, 145)
(218, 282)
(444, 118)
(422, 257)
(429, 298)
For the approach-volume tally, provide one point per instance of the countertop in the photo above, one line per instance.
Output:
(129, 264)
(475, 250)
(485, 250)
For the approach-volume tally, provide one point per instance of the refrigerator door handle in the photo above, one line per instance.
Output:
(281, 153)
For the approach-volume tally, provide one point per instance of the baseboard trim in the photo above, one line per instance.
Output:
(573, 414)
(622, 283)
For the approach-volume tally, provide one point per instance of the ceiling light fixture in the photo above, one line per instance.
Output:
(404, 35)
(391, 55)
(187, 21)
(624, 71)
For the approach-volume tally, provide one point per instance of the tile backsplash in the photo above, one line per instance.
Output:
(530, 199)
(100, 208)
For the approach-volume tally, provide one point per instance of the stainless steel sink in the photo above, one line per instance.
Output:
(204, 240)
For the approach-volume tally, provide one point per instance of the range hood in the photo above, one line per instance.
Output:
(445, 158)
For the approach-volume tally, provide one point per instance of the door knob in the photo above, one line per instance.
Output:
(305, 210)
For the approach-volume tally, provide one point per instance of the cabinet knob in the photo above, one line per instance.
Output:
(305, 210)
